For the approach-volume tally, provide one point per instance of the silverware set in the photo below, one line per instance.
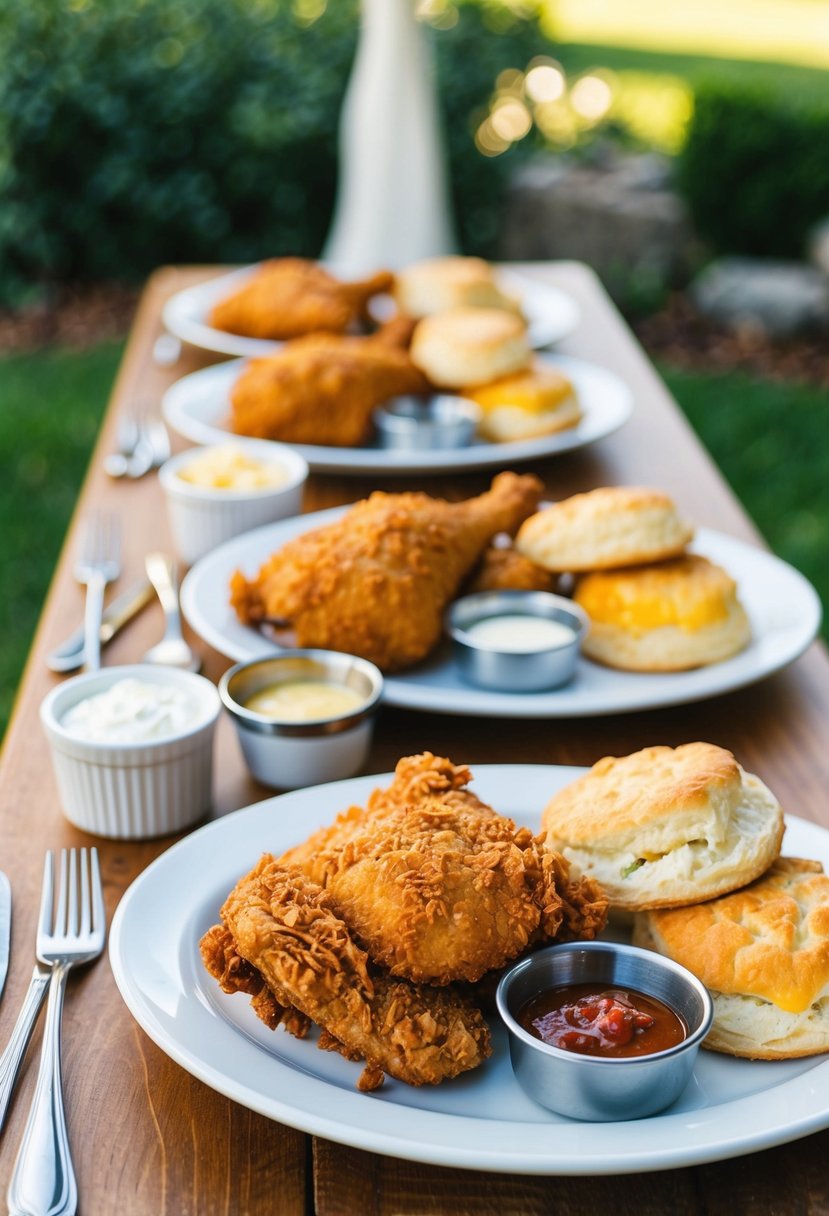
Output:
(142, 443)
(70, 932)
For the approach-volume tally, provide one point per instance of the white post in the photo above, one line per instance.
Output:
(392, 200)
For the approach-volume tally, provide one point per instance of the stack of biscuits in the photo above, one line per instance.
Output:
(652, 606)
(688, 843)
(471, 338)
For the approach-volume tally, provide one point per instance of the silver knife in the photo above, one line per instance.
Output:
(70, 654)
(5, 927)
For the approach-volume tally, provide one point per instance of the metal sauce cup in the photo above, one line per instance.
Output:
(416, 423)
(508, 670)
(590, 1087)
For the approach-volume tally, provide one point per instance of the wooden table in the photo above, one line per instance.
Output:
(149, 1139)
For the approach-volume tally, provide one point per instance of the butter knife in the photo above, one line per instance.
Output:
(70, 654)
(5, 927)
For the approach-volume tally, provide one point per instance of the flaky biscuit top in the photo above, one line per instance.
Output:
(769, 940)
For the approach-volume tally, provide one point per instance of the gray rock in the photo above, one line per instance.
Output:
(779, 299)
(616, 212)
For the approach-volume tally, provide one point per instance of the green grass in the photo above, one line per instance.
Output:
(771, 442)
(53, 402)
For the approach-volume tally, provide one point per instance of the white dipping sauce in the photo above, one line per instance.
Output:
(520, 633)
(131, 711)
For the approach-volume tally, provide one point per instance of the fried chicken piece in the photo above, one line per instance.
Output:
(415, 777)
(376, 582)
(234, 974)
(504, 569)
(282, 925)
(442, 888)
(289, 297)
(323, 389)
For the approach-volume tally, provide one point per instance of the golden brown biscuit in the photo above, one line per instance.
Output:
(670, 616)
(666, 826)
(469, 346)
(604, 529)
(525, 405)
(763, 952)
(439, 284)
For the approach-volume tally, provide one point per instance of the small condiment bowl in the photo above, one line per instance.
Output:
(202, 517)
(415, 423)
(532, 670)
(291, 754)
(592, 1087)
(140, 789)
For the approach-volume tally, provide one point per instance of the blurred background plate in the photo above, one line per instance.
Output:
(551, 314)
(198, 408)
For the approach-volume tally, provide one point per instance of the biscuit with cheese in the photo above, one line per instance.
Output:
(670, 616)
(763, 953)
(439, 284)
(665, 827)
(528, 404)
(469, 346)
(604, 529)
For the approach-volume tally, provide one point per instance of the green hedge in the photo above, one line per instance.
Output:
(755, 169)
(136, 132)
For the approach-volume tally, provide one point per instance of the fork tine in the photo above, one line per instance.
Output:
(72, 897)
(47, 893)
(98, 912)
(86, 902)
(60, 914)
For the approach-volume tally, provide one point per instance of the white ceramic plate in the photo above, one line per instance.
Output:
(551, 313)
(782, 605)
(198, 408)
(482, 1120)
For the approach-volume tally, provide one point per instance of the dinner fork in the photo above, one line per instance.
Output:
(43, 1180)
(97, 565)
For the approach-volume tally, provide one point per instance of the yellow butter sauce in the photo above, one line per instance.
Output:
(304, 700)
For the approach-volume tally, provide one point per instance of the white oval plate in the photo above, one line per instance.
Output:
(551, 313)
(481, 1120)
(198, 408)
(782, 605)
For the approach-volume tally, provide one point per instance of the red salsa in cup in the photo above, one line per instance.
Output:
(593, 1020)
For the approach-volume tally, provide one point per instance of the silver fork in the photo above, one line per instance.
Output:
(99, 563)
(43, 1180)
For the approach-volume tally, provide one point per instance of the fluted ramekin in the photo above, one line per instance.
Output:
(133, 791)
(202, 517)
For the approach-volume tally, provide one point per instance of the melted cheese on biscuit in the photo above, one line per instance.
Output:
(688, 593)
(535, 391)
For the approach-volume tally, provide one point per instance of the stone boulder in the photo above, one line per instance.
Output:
(776, 299)
(619, 214)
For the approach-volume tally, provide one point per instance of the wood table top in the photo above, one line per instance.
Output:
(149, 1139)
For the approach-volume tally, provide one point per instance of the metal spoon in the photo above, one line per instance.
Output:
(172, 650)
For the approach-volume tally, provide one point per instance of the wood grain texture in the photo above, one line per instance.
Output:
(148, 1138)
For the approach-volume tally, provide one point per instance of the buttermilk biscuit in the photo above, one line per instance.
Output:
(468, 346)
(439, 284)
(606, 528)
(525, 405)
(763, 953)
(671, 616)
(666, 826)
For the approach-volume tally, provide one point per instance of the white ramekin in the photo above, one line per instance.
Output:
(132, 791)
(202, 518)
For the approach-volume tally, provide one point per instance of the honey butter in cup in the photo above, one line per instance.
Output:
(221, 491)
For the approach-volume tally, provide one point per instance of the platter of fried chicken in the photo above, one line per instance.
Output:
(328, 958)
(449, 337)
(677, 614)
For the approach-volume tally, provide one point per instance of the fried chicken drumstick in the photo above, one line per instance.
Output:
(324, 388)
(376, 582)
(281, 926)
(437, 886)
(288, 297)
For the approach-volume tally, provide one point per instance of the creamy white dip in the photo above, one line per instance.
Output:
(131, 711)
(519, 633)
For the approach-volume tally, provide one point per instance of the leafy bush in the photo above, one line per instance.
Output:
(755, 169)
(136, 132)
